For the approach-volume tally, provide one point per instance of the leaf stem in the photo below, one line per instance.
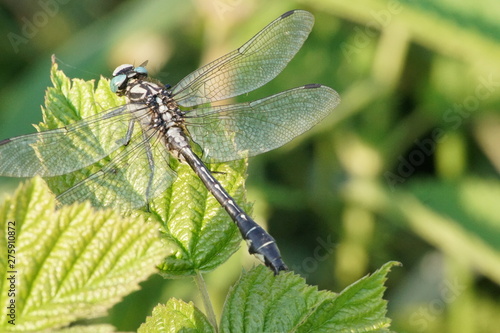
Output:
(209, 309)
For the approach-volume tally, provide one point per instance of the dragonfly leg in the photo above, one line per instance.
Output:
(130, 130)
(151, 164)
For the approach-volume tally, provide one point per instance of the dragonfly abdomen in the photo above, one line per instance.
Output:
(260, 243)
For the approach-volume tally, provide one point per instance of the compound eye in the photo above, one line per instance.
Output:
(118, 82)
(141, 70)
(123, 69)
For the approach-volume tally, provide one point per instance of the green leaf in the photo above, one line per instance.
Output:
(262, 302)
(200, 234)
(176, 316)
(197, 231)
(72, 100)
(71, 263)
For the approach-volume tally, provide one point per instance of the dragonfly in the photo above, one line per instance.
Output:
(160, 123)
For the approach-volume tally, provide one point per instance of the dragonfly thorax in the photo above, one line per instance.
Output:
(152, 106)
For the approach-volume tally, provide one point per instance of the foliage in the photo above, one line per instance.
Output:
(68, 264)
(407, 168)
(261, 302)
(196, 229)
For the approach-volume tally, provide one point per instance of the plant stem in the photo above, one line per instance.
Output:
(200, 282)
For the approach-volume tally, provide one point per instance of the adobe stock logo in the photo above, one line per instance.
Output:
(454, 118)
(320, 253)
(223, 7)
(31, 27)
(449, 292)
(381, 19)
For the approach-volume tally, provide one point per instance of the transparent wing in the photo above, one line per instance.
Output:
(231, 132)
(135, 176)
(63, 150)
(252, 65)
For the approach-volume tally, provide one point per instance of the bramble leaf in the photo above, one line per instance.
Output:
(262, 302)
(70, 263)
(176, 316)
(197, 231)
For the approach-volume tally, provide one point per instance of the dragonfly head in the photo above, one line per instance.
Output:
(123, 73)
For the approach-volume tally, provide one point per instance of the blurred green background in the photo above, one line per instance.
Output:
(406, 169)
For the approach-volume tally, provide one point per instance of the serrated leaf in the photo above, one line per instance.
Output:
(70, 263)
(72, 100)
(262, 302)
(358, 308)
(176, 316)
(198, 232)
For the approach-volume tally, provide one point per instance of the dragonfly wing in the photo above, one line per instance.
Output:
(63, 150)
(252, 65)
(135, 176)
(231, 132)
